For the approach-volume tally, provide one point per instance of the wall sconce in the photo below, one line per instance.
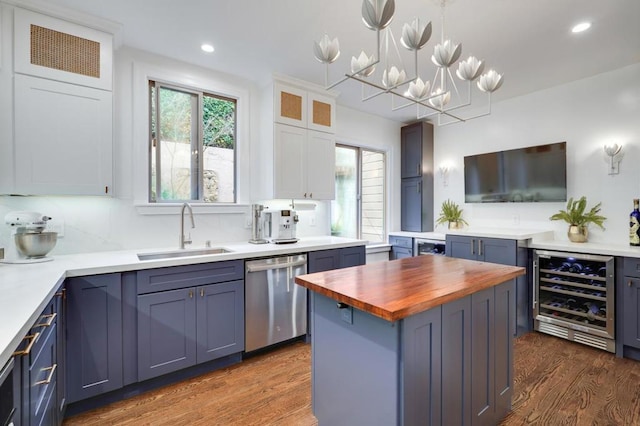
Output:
(614, 156)
(444, 174)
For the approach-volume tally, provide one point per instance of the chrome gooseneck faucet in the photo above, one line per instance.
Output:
(184, 240)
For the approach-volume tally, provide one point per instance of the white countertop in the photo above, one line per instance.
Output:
(26, 288)
(537, 239)
(426, 235)
(624, 250)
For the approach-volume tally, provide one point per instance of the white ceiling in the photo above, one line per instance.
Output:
(527, 40)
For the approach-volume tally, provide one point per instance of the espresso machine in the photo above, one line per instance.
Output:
(282, 226)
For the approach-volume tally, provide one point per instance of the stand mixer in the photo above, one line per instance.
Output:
(32, 242)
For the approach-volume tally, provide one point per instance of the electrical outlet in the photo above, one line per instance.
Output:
(248, 222)
(347, 314)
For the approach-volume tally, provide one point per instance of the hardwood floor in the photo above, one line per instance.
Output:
(556, 383)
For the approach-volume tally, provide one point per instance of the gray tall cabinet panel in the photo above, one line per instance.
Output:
(416, 177)
(94, 335)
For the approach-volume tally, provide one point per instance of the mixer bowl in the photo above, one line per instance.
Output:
(36, 245)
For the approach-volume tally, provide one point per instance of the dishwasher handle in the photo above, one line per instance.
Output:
(258, 267)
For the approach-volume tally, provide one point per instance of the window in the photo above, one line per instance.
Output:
(192, 146)
(359, 208)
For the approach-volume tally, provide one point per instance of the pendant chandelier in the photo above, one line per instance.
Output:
(440, 96)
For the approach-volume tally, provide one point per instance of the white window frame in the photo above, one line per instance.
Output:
(210, 83)
(386, 153)
(197, 139)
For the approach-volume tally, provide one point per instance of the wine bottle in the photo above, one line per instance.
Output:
(634, 224)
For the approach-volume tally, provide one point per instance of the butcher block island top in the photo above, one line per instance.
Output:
(400, 288)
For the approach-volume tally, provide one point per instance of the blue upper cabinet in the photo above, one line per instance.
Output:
(417, 177)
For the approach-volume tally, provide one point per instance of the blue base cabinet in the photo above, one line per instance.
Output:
(184, 325)
(504, 252)
(451, 364)
(94, 335)
(37, 368)
(628, 318)
(327, 260)
(401, 247)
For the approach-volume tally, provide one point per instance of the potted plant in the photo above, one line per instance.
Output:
(451, 213)
(579, 219)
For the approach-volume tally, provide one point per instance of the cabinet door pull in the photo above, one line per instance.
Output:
(202, 292)
(305, 195)
(49, 320)
(62, 293)
(27, 350)
(419, 187)
(418, 169)
(46, 381)
(479, 247)
(311, 195)
(473, 247)
(629, 283)
(190, 294)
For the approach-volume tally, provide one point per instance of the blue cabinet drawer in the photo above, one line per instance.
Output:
(42, 377)
(175, 277)
(632, 267)
(406, 242)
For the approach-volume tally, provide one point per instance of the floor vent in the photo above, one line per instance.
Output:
(586, 339)
(554, 330)
(605, 344)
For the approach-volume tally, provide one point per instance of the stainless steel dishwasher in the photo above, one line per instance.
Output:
(275, 306)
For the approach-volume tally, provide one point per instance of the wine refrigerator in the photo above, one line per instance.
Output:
(573, 297)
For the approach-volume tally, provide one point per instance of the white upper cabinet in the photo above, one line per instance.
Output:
(304, 108)
(304, 163)
(296, 159)
(61, 107)
(59, 50)
(63, 138)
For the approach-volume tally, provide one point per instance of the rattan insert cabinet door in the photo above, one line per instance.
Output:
(59, 50)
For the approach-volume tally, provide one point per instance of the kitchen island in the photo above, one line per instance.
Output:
(422, 340)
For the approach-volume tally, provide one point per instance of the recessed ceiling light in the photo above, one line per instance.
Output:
(207, 48)
(583, 26)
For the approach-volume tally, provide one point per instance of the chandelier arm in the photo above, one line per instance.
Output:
(406, 97)
(388, 89)
(347, 76)
(455, 86)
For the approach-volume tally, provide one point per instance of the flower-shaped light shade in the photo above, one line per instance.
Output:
(490, 81)
(326, 50)
(377, 14)
(414, 35)
(439, 102)
(418, 89)
(470, 68)
(393, 77)
(359, 65)
(446, 53)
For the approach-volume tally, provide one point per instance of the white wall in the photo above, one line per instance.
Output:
(586, 114)
(102, 223)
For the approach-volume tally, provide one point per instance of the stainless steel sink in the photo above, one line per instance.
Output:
(182, 253)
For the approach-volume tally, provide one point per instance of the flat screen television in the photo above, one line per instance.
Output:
(532, 174)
